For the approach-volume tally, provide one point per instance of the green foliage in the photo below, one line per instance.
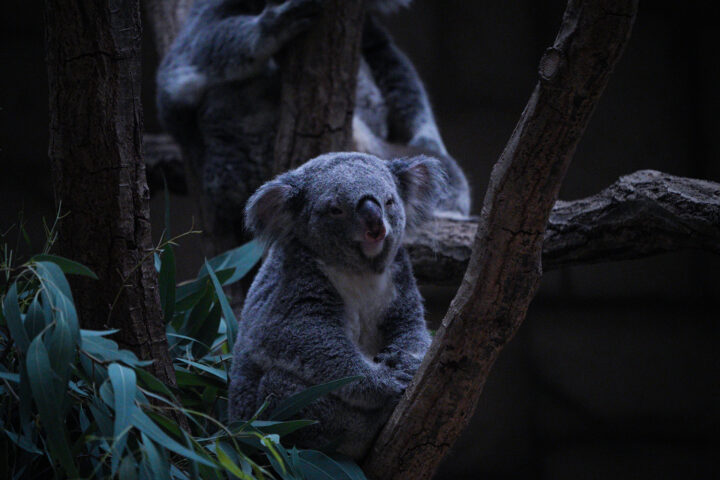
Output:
(75, 405)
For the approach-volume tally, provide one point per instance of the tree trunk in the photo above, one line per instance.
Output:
(93, 57)
(505, 267)
(319, 75)
(166, 18)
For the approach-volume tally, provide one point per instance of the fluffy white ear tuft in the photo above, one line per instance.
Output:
(267, 213)
(422, 182)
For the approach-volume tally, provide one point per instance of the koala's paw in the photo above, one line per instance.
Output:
(389, 358)
(399, 361)
(392, 384)
(292, 17)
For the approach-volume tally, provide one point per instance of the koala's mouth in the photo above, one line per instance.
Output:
(372, 248)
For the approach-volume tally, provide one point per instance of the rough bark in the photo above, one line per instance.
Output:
(93, 58)
(166, 19)
(642, 214)
(319, 75)
(505, 266)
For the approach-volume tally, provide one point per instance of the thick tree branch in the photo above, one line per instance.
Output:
(166, 19)
(319, 74)
(642, 214)
(505, 267)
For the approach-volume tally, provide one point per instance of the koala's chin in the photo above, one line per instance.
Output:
(373, 257)
(372, 247)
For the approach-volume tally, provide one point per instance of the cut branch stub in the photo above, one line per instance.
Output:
(504, 268)
(319, 75)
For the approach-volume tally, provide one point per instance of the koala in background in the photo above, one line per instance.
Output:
(335, 296)
(219, 96)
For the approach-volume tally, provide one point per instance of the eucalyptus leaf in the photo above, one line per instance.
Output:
(166, 283)
(61, 348)
(13, 317)
(207, 331)
(23, 442)
(108, 351)
(216, 372)
(124, 388)
(66, 265)
(281, 428)
(228, 315)
(317, 465)
(10, 377)
(291, 405)
(35, 320)
(128, 468)
(341, 467)
(228, 464)
(241, 259)
(188, 293)
(148, 427)
(57, 293)
(156, 462)
(46, 395)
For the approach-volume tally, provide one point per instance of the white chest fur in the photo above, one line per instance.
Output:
(366, 298)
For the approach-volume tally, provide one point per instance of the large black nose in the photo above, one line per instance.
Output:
(371, 214)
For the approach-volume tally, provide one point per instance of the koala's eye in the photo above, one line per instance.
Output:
(389, 201)
(336, 211)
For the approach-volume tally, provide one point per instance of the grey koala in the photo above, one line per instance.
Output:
(335, 295)
(219, 96)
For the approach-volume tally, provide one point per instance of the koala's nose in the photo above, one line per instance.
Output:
(371, 214)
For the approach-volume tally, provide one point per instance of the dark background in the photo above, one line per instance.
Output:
(615, 372)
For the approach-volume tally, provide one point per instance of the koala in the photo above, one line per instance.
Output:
(335, 295)
(218, 94)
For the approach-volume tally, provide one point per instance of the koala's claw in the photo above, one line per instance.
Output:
(403, 377)
(389, 358)
(293, 16)
(398, 360)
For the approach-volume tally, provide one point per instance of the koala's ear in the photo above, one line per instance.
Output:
(267, 213)
(422, 182)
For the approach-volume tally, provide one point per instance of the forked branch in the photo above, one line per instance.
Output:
(505, 265)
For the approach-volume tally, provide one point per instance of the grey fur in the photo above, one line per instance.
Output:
(320, 308)
(219, 92)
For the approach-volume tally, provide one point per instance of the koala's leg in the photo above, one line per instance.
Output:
(349, 430)
(242, 392)
(313, 346)
(410, 117)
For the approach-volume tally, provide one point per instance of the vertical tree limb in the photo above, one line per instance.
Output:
(505, 266)
(166, 18)
(319, 75)
(93, 58)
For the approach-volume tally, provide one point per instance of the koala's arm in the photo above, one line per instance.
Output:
(410, 117)
(406, 336)
(218, 44)
(314, 348)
